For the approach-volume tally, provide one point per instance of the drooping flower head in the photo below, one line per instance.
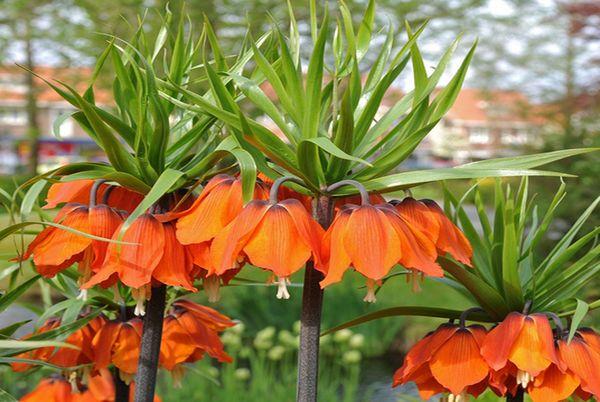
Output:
(372, 239)
(55, 248)
(427, 217)
(118, 343)
(277, 236)
(447, 360)
(147, 252)
(63, 357)
(79, 191)
(218, 204)
(523, 340)
(189, 331)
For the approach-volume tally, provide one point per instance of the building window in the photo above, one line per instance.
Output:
(13, 117)
(514, 137)
(479, 135)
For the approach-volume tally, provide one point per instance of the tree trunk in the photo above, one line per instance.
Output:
(145, 379)
(33, 129)
(310, 319)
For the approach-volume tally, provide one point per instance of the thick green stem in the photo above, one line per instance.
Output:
(145, 379)
(312, 304)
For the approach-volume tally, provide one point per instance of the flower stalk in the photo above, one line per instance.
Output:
(310, 318)
(145, 380)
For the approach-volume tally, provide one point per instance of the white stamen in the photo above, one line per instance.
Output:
(212, 286)
(370, 297)
(83, 293)
(523, 378)
(282, 292)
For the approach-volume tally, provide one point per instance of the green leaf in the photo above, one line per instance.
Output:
(31, 197)
(487, 296)
(27, 344)
(9, 330)
(363, 37)
(7, 299)
(6, 397)
(409, 311)
(163, 185)
(116, 153)
(326, 145)
(580, 312)
(314, 81)
(529, 161)
(413, 178)
(510, 254)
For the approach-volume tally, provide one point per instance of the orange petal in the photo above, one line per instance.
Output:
(59, 245)
(583, 361)
(176, 345)
(175, 266)
(104, 221)
(333, 250)
(101, 385)
(103, 343)
(121, 198)
(423, 350)
(126, 349)
(371, 242)
(209, 316)
(458, 363)
(451, 239)
(529, 351)
(418, 252)
(276, 244)
(590, 337)
(552, 385)
(72, 191)
(220, 202)
(499, 341)
(420, 217)
(228, 244)
(308, 229)
(204, 337)
(134, 263)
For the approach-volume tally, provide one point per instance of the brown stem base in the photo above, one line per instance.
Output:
(310, 318)
(121, 388)
(518, 397)
(145, 379)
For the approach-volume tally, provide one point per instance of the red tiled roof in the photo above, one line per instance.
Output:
(476, 105)
(77, 76)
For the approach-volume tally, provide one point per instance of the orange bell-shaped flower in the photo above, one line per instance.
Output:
(553, 385)
(427, 217)
(64, 357)
(447, 360)
(218, 204)
(50, 390)
(277, 236)
(55, 249)
(583, 360)
(118, 343)
(189, 331)
(78, 191)
(372, 239)
(523, 340)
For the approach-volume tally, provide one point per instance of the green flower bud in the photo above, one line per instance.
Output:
(342, 335)
(352, 357)
(276, 353)
(357, 341)
(296, 327)
(242, 374)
